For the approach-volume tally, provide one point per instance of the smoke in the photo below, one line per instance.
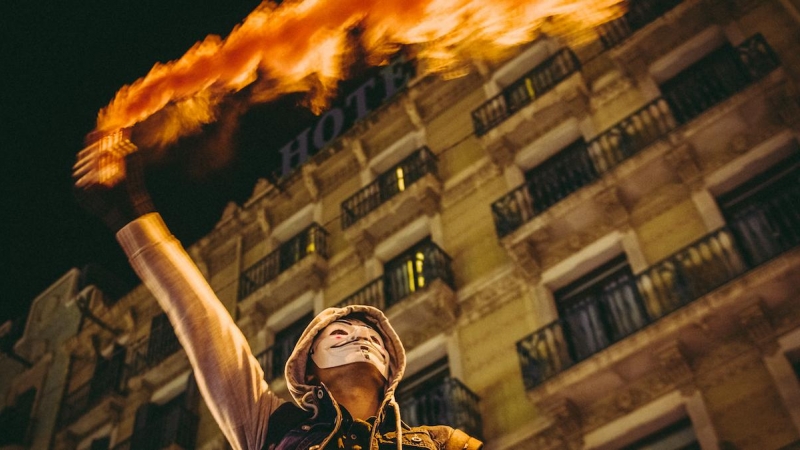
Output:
(308, 46)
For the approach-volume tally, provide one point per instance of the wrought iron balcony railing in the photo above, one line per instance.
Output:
(448, 403)
(639, 14)
(80, 401)
(413, 271)
(159, 345)
(312, 240)
(387, 185)
(522, 92)
(759, 234)
(717, 77)
(707, 84)
(273, 359)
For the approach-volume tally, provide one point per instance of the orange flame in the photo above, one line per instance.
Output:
(304, 47)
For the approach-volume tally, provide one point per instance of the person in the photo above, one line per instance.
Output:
(342, 374)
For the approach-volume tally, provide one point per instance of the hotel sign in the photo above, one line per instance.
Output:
(357, 104)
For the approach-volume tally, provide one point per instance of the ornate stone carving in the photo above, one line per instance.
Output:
(683, 160)
(413, 113)
(524, 254)
(566, 419)
(310, 180)
(673, 362)
(501, 152)
(759, 328)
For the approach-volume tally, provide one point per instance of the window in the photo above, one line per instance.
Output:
(600, 308)
(560, 175)
(171, 425)
(433, 396)
(677, 436)
(414, 270)
(15, 420)
(763, 213)
(162, 342)
(108, 375)
(285, 340)
(421, 396)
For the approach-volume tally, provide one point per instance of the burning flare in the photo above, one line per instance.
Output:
(306, 47)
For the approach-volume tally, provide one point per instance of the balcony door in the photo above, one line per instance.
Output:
(285, 340)
(764, 213)
(421, 396)
(600, 308)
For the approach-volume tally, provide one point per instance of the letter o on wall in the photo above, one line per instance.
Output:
(332, 120)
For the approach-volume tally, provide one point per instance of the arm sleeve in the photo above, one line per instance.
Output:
(228, 375)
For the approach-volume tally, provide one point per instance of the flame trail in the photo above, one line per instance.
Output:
(306, 47)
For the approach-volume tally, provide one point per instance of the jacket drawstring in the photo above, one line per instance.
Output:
(308, 403)
(397, 423)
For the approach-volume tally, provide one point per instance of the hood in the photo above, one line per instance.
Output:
(296, 365)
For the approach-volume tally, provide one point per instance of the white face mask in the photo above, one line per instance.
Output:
(348, 341)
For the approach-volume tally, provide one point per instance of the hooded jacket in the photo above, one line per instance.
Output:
(230, 378)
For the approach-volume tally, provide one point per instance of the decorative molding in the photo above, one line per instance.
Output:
(759, 327)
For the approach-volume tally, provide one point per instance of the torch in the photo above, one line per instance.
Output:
(102, 161)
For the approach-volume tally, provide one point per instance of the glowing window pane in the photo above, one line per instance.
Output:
(401, 183)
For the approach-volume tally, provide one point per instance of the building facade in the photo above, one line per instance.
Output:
(581, 248)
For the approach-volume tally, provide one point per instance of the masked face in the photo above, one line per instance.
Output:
(348, 341)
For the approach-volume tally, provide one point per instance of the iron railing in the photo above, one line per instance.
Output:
(717, 77)
(629, 305)
(273, 359)
(447, 403)
(639, 14)
(387, 185)
(408, 273)
(160, 344)
(312, 240)
(752, 60)
(522, 92)
(111, 379)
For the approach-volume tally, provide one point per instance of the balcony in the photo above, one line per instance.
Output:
(91, 404)
(605, 318)
(156, 350)
(447, 403)
(696, 90)
(406, 191)
(296, 266)
(639, 14)
(417, 295)
(524, 91)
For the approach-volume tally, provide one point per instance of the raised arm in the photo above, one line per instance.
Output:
(109, 183)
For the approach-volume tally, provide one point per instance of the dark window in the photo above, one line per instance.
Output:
(162, 342)
(169, 425)
(600, 308)
(764, 213)
(100, 443)
(421, 395)
(285, 340)
(414, 270)
(560, 175)
(705, 83)
(677, 436)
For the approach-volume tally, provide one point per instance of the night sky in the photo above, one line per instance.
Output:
(62, 62)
